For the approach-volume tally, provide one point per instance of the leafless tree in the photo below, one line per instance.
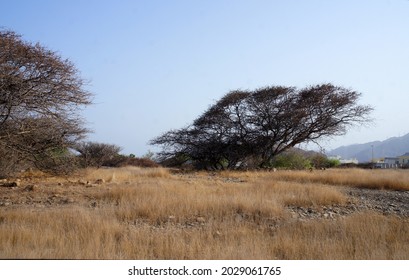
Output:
(41, 96)
(261, 124)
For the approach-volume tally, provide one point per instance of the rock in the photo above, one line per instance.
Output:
(68, 200)
(31, 188)
(13, 184)
(100, 181)
(238, 218)
(82, 182)
(200, 220)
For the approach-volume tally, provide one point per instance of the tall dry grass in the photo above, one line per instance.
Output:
(124, 174)
(373, 179)
(161, 198)
(152, 214)
(86, 234)
(58, 234)
(360, 236)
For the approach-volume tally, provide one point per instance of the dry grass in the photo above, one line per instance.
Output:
(81, 234)
(152, 214)
(159, 199)
(361, 236)
(298, 194)
(125, 174)
(62, 233)
(373, 179)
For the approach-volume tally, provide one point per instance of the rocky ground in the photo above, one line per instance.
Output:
(382, 201)
(45, 194)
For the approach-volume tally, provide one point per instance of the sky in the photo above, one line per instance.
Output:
(157, 65)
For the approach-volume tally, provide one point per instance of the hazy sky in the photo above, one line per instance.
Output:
(157, 65)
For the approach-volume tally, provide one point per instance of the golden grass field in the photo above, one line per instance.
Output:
(135, 213)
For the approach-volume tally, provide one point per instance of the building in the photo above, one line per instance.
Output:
(393, 162)
(388, 162)
(404, 160)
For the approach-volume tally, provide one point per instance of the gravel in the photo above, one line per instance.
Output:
(386, 202)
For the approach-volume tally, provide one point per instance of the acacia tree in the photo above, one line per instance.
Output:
(41, 96)
(258, 125)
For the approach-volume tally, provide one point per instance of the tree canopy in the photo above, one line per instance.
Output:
(41, 96)
(252, 127)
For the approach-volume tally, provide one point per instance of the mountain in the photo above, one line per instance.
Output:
(392, 147)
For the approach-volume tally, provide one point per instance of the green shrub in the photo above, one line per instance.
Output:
(291, 160)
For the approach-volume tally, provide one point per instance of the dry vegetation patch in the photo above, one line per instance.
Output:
(361, 236)
(135, 213)
(372, 179)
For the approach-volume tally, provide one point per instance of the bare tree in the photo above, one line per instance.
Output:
(41, 96)
(261, 124)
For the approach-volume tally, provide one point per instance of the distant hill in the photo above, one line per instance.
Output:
(395, 146)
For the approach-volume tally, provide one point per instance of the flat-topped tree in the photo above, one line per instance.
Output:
(258, 125)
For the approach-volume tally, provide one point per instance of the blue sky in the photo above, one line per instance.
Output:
(157, 65)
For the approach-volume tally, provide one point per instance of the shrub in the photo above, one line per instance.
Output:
(94, 154)
(121, 161)
(291, 160)
(321, 161)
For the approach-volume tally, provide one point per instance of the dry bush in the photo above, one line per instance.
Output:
(140, 162)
